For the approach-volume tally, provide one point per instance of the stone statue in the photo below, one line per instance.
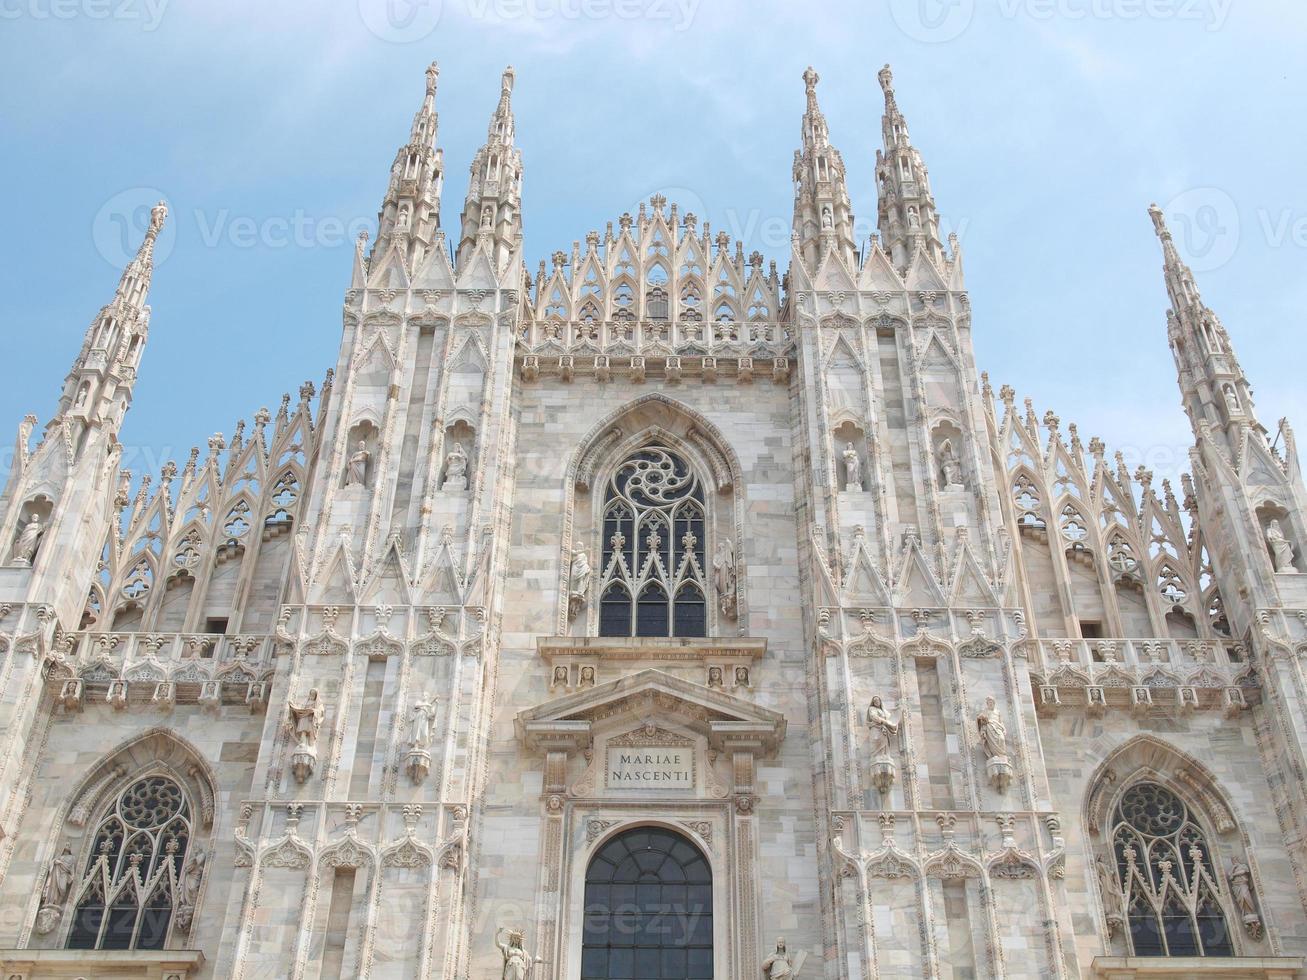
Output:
(725, 576)
(517, 961)
(950, 466)
(306, 720)
(778, 966)
(827, 221)
(59, 881)
(883, 728)
(191, 878)
(456, 469)
(29, 539)
(715, 677)
(578, 582)
(1113, 900)
(1281, 550)
(587, 677)
(914, 219)
(1241, 889)
(852, 469)
(741, 676)
(993, 733)
(560, 676)
(421, 717)
(356, 473)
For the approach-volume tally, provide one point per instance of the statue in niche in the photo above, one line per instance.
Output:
(1241, 890)
(741, 676)
(306, 721)
(189, 890)
(715, 678)
(778, 966)
(884, 728)
(455, 469)
(1113, 900)
(356, 471)
(58, 883)
(827, 220)
(192, 877)
(852, 469)
(950, 466)
(29, 539)
(578, 582)
(517, 961)
(587, 677)
(993, 733)
(1232, 405)
(914, 219)
(1281, 550)
(421, 717)
(725, 577)
(560, 676)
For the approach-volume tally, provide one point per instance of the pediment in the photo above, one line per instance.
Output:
(729, 722)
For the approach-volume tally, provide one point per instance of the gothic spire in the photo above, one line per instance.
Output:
(410, 213)
(492, 213)
(823, 219)
(98, 389)
(907, 218)
(1217, 396)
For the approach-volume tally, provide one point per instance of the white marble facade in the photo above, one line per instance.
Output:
(938, 687)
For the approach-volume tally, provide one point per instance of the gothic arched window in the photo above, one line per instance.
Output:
(648, 909)
(653, 581)
(127, 894)
(1170, 896)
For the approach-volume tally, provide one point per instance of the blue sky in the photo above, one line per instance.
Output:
(1048, 127)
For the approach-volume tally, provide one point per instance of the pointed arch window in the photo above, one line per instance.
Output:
(654, 530)
(127, 896)
(1173, 902)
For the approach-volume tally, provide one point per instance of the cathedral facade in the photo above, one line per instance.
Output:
(653, 614)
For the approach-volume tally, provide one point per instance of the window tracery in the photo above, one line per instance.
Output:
(1172, 900)
(654, 530)
(128, 892)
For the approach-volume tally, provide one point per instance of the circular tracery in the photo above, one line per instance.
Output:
(1152, 809)
(150, 803)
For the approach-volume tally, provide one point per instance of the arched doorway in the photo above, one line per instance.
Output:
(648, 909)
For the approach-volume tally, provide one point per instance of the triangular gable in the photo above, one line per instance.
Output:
(877, 273)
(723, 718)
(917, 585)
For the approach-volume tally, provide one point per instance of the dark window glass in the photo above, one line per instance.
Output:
(648, 910)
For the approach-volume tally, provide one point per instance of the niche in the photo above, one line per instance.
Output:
(456, 470)
(1279, 537)
(850, 450)
(946, 448)
(360, 454)
(33, 522)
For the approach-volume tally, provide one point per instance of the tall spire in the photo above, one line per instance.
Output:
(1217, 396)
(823, 219)
(907, 218)
(410, 213)
(98, 389)
(492, 213)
